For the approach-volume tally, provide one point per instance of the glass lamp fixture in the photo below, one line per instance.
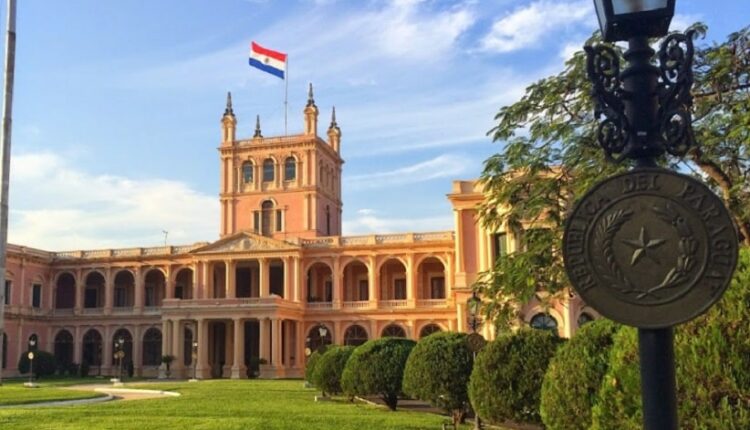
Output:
(322, 331)
(473, 305)
(625, 19)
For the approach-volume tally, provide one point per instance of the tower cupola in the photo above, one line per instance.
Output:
(311, 114)
(257, 134)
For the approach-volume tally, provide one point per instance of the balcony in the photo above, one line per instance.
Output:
(235, 303)
(393, 304)
(319, 305)
(92, 311)
(432, 303)
(354, 305)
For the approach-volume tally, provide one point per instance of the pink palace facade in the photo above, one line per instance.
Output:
(279, 271)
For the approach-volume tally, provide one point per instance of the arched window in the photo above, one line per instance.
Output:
(92, 348)
(355, 335)
(584, 318)
(393, 330)
(429, 329)
(290, 169)
(318, 337)
(152, 347)
(63, 347)
(268, 173)
(544, 322)
(247, 172)
(266, 213)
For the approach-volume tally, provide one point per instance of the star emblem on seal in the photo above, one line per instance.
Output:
(643, 246)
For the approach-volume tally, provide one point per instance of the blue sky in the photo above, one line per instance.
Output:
(117, 105)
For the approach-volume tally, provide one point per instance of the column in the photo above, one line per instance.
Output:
(137, 348)
(226, 370)
(80, 287)
(202, 365)
(337, 283)
(107, 359)
(177, 346)
(109, 291)
(374, 329)
(165, 346)
(231, 285)
(205, 268)
(338, 335)
(374, 282)
(276, 342)
(77, 345)
(459, 241)
(297, 287)
(139, 290)
(265, 288)
(460, 323)
(196, 293)
(263, 341)
(449, 277)
(411, 280)
(299, 344)
(287, 278)
(239, 370)
(169, 283)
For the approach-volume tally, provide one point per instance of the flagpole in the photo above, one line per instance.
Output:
(10, 65)
(286, 93)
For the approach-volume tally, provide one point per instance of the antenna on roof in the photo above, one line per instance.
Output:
(166, 234)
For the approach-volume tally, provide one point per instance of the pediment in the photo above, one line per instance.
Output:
(243, 242)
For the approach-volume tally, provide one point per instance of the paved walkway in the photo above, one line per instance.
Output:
(110, 393)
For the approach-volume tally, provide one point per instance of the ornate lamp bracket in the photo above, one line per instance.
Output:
(671, 130)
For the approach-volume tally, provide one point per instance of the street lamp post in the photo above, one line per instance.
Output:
(195, 360)
(634, 247)
(32, 343)
(119, 346)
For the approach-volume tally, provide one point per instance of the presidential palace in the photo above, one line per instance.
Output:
(279, 281)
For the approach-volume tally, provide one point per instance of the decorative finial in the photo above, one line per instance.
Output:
(310, 99)
(228, 110)
(333, 118)
(257, 127)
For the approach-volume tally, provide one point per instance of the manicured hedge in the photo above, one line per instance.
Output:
(312, 361)
(377, 368)
(713, 368)
(329, 367)
(571, 384)
(44, 363)
(438, 371)
(508, 373)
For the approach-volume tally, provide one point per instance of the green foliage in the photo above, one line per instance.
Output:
(571, 384)
(549, 158)
(507, 377)
(330, 366)
(377, 368)
(312, 361)
(44, 363)
(438, 371)
(712, 360)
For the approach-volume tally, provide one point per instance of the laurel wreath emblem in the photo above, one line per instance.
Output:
(611, 272)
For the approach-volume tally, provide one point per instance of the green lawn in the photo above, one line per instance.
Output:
(12, 392)
(221, 404)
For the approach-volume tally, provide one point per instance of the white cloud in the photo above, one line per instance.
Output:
(442, 166)
(527, 25)
(372, 223)
(680, 22)
(56, 205)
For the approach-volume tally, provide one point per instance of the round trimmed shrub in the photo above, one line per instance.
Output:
(571, 384)
(312, 361)
(377, 368)
(438, 372)
(507, 378)
(712, 355)
(329, 367)
(44, 363)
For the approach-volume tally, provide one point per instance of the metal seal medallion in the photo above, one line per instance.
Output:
(650, 248)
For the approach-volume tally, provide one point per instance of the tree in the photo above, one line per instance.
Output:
(550, 158)
(571, 383)
(438, 371)
(507, 378)
(312, 361)
(713, 390)
(377, 368)
(329, 367)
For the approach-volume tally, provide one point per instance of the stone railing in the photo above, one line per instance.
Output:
(126, 252)
(380, 239)
(432, 303)
(393, 304)
(65, 312)
(236, 302)
(93, 311)
(320, 305)
(359, 304)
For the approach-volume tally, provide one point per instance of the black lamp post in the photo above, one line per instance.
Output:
(32, 343)
(647, 113)
(120, 354)
(322, 332)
